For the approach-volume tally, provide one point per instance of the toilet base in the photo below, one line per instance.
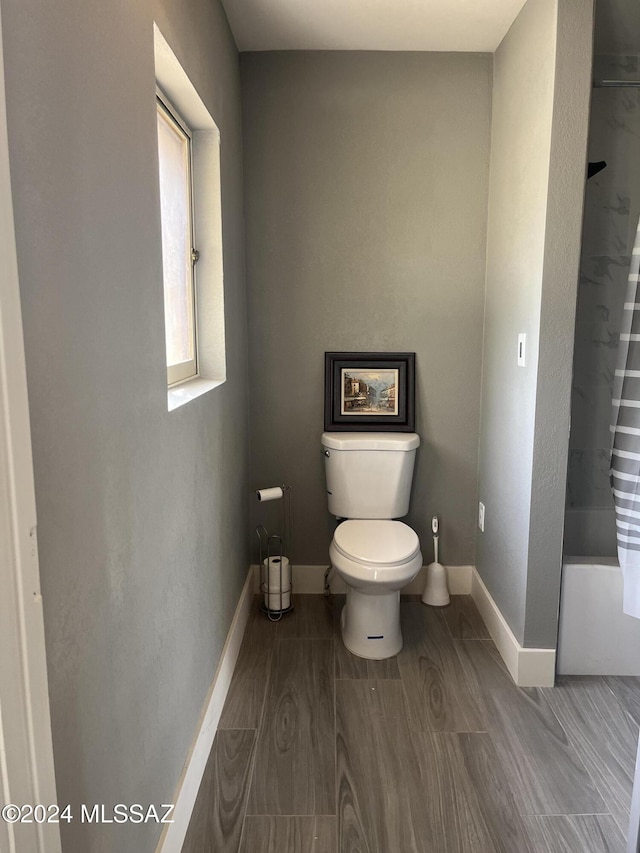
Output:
(371, 624)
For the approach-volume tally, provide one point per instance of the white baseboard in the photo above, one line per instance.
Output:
(310, 579)
(173, 836)
(528, 667)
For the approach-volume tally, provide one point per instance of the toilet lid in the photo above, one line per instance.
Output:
(376, 542)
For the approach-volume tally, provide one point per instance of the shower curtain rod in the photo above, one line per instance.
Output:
(623, 84)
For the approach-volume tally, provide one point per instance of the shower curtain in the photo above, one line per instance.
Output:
(625, 452)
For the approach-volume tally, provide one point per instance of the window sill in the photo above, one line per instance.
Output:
(190, 390)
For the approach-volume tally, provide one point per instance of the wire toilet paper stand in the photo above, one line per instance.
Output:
(276, 575)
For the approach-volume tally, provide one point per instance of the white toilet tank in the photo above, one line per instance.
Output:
(369, 473)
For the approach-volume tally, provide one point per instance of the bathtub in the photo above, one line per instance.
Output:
(595, 636)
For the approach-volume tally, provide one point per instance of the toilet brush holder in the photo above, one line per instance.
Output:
(436, 592)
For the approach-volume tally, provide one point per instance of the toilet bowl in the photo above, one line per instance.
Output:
(375, 558)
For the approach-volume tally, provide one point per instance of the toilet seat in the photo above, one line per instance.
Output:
(376, 543)
(387, 554)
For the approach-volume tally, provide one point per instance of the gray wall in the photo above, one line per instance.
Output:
(366, 180)
(540, 107)
(142, 513)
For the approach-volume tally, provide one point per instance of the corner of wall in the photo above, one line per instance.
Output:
(539, 133)
(563, 234)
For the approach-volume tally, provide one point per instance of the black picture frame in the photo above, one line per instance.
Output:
(385, 403)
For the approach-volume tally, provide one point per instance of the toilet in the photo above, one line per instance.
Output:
(369, 478)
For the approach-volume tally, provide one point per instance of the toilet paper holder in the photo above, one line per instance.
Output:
(276, 576)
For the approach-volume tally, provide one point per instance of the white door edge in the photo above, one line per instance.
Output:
(26, 751)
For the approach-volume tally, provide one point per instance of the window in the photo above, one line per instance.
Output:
(190, 208)
(179, 255)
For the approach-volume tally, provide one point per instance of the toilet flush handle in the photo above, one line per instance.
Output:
(325, 452)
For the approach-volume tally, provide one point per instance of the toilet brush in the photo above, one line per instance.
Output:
(435, 592)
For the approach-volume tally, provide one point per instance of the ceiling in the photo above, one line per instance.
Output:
(451, 25)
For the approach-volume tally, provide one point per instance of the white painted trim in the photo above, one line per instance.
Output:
(190, 390)
(26, 750)
(173, 835)
(528, 667)
(310, 579)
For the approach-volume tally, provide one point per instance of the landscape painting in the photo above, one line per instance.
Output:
(369, 392)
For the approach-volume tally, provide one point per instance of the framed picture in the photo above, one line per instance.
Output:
(369, 391)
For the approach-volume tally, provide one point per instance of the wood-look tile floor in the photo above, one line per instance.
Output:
(435, 751)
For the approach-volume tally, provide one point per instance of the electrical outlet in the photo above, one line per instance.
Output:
(481, 516)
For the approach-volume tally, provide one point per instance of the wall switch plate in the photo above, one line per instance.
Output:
(522, 340)
(481, 516)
